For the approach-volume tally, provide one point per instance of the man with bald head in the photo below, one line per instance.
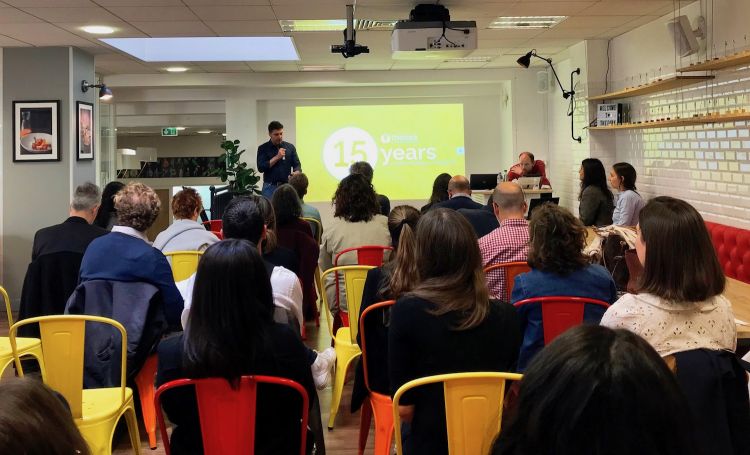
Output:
(509, 242)
(459, 192)
(527, 166)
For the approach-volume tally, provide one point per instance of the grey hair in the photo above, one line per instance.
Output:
(86, 197)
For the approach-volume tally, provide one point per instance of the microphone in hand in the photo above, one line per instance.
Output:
(283, 153)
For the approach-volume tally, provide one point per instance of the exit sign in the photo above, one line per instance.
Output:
(170, 131)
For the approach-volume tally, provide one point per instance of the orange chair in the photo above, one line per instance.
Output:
(373, 255)
(145, 383)
(559, 313)
(227, 415)
(511, 270)
(377, 404)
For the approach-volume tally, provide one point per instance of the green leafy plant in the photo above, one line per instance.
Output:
(241, 179)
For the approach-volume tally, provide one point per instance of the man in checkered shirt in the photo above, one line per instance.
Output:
(509, 242)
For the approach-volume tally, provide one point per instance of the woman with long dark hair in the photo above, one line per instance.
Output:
(231, 333)
(596, 390)
(596, 200)
(107, 216)
(629, 202)
(680, 304)
(439, 191)
(273, 252)
(445, 323)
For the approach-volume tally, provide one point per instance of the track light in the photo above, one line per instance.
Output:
(105, 93)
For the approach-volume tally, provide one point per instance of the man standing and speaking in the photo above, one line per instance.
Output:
(277, 159)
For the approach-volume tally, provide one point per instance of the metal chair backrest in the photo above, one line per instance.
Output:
(184, 263)
(354, 286)
(511, 270)
(316, 226)
(559, 313)
(473, 408)
(228, 415)
(63, 350)
(218, 234)
(362, 343)
(373, 255)
(213, 225)
(8, 309)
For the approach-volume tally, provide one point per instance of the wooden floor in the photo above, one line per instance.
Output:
(341, 441)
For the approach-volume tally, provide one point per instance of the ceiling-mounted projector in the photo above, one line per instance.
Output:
(430, 34)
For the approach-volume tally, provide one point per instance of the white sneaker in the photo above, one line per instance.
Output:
(321, 368)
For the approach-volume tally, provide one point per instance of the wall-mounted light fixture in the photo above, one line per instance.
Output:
(104, 92)
(525, 61)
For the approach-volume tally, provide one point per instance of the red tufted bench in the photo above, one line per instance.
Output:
(733, 248)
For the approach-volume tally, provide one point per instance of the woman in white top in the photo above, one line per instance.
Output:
(629, 202)
(680, 306)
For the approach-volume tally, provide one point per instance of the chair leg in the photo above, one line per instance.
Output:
(145, 382)
(383, 430)
(135, 438)
(365, 418)
(342, 363)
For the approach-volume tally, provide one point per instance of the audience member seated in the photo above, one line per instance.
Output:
(680, 305)
(300, 184)
(483, 220)
(357, 222)
(459, 192)
(385, 283)
(243, 220)
(56, 257)
(363, 168)
(296, 235)
(596, 200)
(126, 255)
(527, 166)
(106, 217)
(510, 241)
(185, 233)
(445, 323)
(439, 191)
(595, 390)
(232, 333)
(272, 251)
(35, 420)
(629, 202)
(558, 268)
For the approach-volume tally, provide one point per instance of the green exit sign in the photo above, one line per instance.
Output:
(170, 131)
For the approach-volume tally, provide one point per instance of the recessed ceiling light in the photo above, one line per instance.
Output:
(208, 49)
(204, 132)
(224, 134)
(526, 21)
(329, 25)
(468, 60)
(180, 128)
(98, 29)
(176, 69)
(322, 68)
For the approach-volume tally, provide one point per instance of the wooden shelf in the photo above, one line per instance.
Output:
(653, 87)
(702, 120)
(729, 61)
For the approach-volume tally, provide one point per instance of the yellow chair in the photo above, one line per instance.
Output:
(95, 411)
(345, 339)
(184, 263)
(473, 408)
(318, 231)
(26, 346)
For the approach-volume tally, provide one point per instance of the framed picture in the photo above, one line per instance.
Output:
(85, 138)
(36, 126)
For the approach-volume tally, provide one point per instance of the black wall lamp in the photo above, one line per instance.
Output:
(525, 61)
(105, 93)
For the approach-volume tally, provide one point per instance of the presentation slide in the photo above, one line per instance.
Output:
(407, 146)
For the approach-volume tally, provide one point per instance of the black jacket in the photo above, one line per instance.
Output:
(482, 220)
(458, 202)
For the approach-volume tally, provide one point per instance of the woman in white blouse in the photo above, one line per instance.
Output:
(681, 305)
(629, 203)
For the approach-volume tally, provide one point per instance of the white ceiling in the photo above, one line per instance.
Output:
(58, 22)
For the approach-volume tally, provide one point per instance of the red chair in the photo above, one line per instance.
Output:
(218, 234)
(373, 255)
(377, 404)
(560, 313)
(511, 269)
(213, 225)
(227, 416)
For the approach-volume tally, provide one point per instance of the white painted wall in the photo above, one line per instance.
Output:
(204, 145)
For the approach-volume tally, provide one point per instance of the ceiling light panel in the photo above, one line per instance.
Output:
(328, 25)
(208, 49)
(526, 21)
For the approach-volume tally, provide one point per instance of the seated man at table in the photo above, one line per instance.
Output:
(459, 192)
(527, 166)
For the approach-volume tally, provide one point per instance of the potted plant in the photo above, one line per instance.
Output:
(240, 178)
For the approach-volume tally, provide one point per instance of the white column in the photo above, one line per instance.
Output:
(242, 124)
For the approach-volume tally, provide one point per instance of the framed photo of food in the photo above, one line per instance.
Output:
(85, 130)
(36, 131)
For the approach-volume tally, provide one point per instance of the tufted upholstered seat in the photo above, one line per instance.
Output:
(733, 248)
